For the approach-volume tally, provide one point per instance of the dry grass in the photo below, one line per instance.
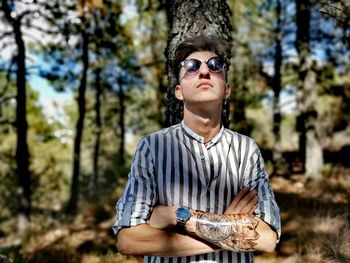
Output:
(320, 238)
(315, 219)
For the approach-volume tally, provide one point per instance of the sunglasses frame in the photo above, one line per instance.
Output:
(183, 64)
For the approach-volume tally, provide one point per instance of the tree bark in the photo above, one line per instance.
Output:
(98, 129)
(22, 151)
(277, 87)
(74, 191)
(188, 19)
(121, 96)
(309, 143)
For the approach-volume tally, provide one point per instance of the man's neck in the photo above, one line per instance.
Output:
(205, 125)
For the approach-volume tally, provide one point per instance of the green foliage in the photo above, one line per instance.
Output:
(334, 96)
(252, 39)
(7, 153)
(45, 149)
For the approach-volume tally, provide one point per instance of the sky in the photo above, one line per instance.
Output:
(51, 100)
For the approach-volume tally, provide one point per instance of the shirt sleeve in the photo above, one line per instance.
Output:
(139, 196)
(257, 178)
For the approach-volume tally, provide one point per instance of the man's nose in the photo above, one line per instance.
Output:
(203, 69)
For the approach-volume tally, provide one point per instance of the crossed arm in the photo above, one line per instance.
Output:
(238, 229)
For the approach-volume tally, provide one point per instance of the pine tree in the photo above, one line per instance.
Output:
(309, 140)
(189, 19)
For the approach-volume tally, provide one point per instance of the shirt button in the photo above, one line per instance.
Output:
(202, 157)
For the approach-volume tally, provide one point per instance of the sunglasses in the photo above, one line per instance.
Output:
(192, 65)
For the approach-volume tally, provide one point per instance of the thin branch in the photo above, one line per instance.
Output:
(6, 98)
(27, 3)
(8, 71)
(27, 12)
(5, 34)
(286, 103)
(334, 12)
(49, 19)
(7, 122)
(46, 31)
(33, 67)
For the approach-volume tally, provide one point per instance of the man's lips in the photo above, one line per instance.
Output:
(205, 83)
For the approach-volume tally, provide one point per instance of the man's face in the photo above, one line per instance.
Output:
(203, 86)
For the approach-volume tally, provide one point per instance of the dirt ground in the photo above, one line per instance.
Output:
(315, 228)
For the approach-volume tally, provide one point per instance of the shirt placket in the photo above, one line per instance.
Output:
(205, 160)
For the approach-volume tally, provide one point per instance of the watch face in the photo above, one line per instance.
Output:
(183, 214)
(215, 228)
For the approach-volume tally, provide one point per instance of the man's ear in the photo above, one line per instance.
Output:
(178, 92)
(227, 90)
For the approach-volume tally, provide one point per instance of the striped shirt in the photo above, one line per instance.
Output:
(174, 167)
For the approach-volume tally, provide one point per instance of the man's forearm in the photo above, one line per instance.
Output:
(231, 232)
(240, 232)
(145, 240)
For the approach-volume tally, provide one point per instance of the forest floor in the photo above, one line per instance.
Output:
(315, 219)
(315, 227)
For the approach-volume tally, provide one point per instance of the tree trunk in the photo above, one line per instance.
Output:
(162, 88)
(188, 19)
(74, 191)
(121, 96)
(277, 87)
(98, 129)
(309, 142)
(22, 151)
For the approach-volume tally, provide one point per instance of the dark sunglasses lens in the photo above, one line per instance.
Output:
(216, 64)
(192, 65)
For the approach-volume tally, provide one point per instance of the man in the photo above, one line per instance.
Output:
(198, 192)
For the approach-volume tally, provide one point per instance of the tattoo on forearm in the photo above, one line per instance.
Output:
(233, 232)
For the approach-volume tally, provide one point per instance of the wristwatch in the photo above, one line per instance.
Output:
(183, 214)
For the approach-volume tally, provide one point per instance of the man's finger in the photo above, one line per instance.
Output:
(248, 207)
(252, 210)
(237, 204)
(247, 202)
(238, 198)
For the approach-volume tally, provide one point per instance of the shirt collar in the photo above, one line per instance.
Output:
(195, 136)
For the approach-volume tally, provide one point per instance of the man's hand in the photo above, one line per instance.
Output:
(244, 203)
(163, 217)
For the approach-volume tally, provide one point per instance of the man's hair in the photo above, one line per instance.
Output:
(199, 43)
